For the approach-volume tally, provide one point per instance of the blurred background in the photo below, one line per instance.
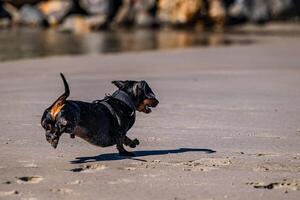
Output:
(35, 28)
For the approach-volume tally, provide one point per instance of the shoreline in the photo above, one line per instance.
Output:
(138, 40)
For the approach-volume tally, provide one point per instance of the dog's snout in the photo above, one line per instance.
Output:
(52, 138)
(156, 102)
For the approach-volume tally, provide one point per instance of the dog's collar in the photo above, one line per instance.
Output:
(125, 98)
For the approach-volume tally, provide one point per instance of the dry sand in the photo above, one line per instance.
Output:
(227, 127)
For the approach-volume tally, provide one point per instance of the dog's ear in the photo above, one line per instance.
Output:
(119, 84)
(56, 108)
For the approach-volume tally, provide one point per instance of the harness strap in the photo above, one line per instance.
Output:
(125, 98)
(119, 96)
(111, 110)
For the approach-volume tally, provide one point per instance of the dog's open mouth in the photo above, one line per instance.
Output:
(147, 105)
(147, 108)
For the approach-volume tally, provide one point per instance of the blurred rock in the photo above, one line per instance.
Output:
(178, 11)
(104, 14)
(75, 24)
(96, 7)
(238, 12)
(5, 17)
(217, 13)
(278, 8)
(14, 13)
(74, 19)
(113, 9)
(54, 10)
(19, 3)
(100, 12)
(137, 12)
(258, 11)
(145, 12)
(76, 9)
(126, 14)
(30, 15)
(96, 21)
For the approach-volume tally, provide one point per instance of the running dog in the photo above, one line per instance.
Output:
(103, 122)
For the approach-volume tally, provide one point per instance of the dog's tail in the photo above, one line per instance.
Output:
(67, 90)
(65, 95)
(60, 102)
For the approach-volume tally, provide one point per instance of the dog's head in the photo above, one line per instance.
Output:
(140, 93)
(49, 125)
(58, 120)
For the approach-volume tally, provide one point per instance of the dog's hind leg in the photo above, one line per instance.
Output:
(122, 150)
(131, 143)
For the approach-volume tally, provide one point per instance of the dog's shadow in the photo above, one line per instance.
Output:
(115, 156)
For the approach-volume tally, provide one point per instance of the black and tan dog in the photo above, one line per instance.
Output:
(103, 122)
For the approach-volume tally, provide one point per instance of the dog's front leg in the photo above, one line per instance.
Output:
(131, 143)
(122, 150)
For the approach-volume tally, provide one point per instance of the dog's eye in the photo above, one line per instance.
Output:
(150, 95)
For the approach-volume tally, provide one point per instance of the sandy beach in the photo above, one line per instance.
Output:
(227, 126)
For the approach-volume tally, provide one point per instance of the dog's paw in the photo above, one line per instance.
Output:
(134, 143)
(127, 154)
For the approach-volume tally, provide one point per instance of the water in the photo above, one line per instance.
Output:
(19, 43)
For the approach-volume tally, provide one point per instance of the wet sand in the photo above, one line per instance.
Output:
(50, 42)
(227, 127)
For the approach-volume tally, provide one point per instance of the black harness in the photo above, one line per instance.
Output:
(125, 98)
(120, 97)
